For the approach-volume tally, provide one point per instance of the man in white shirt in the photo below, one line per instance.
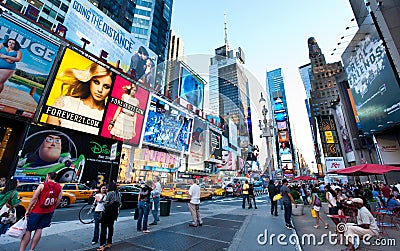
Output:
(366, 225)
(194, 204)
(156, 199)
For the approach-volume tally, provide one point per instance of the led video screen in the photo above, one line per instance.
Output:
(191, 88)
(167, 126)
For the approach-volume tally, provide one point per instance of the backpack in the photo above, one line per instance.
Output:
(317, 201)
(49, 198)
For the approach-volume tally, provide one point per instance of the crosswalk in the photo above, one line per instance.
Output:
(263, 199)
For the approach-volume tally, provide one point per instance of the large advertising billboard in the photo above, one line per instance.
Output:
(374, 86)
(167, 126)
(334, 163)
(191, 88)
(198, 145)
(215, 146)
(25, 62)
(75, 157)
(78, 97)
(97, 33)
(124, 117)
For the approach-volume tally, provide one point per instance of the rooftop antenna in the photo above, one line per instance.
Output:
(226, 35)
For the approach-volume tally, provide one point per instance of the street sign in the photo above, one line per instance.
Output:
(113, 152)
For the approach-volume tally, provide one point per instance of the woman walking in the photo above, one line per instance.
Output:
(316, 202)
(331, 198)
(144, 206)
(99, 198)
(112, 204)
(10, 196)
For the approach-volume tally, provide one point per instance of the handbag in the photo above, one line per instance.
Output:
(6, 207)
(136, 215)
(18, 229)
(277, 197)
(313, 213)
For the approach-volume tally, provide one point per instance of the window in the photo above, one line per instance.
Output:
(69, 187)
(64, 7)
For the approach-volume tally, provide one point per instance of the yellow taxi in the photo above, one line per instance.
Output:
(81, 191)
(215, 190)
(168, 190)
(26, 190)
(182, 192)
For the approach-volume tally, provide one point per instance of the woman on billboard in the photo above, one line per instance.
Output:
(123, 124)
(148, 78)
(85, 94)
(9, 54)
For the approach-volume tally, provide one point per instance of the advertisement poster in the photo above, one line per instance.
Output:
(125, 113)
(74, 156)
(215, 146)
(79, 94)
(334, 163)
(229, 161)
(167, 126)
(198, 144)
(90, 28)
(24, 73)
(372, 81)
(191, 88)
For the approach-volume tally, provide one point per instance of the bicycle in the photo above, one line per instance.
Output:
(86, 213)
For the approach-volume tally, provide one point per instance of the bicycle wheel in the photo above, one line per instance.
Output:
(86, 214)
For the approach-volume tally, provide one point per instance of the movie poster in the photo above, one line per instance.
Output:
(74, 156)
(124, 118)
(79, 94)
(24, 68)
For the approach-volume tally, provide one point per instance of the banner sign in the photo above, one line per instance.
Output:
(334, 163)
(97, 33)
(126, 109)
(78, 97)
(24, 73)
(75, 157)
(197, 145)
(215, 146)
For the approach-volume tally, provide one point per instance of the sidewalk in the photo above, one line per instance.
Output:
(225, 227)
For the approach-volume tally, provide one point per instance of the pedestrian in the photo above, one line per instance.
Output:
(252, 197)
(194, 204)
(279, 186)
(330, 196)
(316, 203)
(287, 201)
(112, 203)
(9, 196)
(303, 193)
(40, 210)
(245, 194)
(272, 191)
(144, 206)
(156, 199)
(99, 201)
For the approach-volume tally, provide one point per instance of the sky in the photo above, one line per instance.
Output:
(272, 34)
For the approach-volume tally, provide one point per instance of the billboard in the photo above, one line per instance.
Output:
(97, 33)
(198, 145)
(125, 113)
(280, 116)
(229, 161)
(389, 149)
(233, 134)
(215, 146)
(75, 157)
(78, 97)
(25, 70)
(374, 86)
(281, 125)
(334, 163)
(167, 126)
(191, 88)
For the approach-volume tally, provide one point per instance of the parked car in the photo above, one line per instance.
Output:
(168, 190)
(129, 195)
(215, 190)
(27, 190)
(81, 191)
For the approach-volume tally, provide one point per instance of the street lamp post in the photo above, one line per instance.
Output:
(266, 126)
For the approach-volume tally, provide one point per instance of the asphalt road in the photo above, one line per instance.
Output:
(71, 212)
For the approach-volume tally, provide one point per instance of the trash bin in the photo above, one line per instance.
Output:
(165, 207)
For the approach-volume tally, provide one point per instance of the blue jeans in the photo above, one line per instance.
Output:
(156, 202)
(144, 209)
(96, 227)
(245, 197)
(288, 211)
(4, 228)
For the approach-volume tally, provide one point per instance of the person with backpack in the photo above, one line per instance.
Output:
(112, 203)
(316, 202)
(40, 210)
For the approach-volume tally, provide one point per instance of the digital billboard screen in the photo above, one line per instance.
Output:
(25, 65)
(198, 144)
(215, 145)
(191, 88)
(167, 126)
(372, 81)
(79, 94)
(74, 156)
(86, 23)
(125, 113)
